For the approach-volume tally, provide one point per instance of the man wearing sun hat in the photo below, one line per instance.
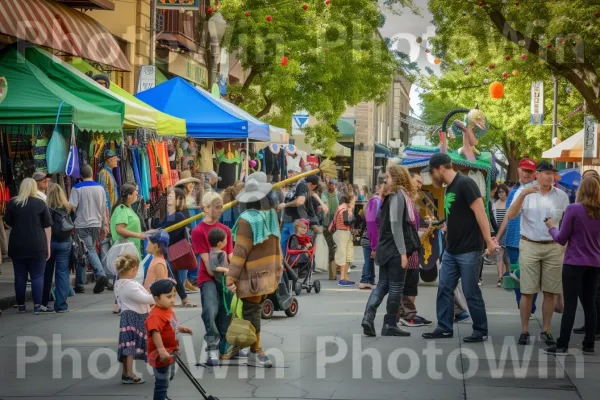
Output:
(107, 179)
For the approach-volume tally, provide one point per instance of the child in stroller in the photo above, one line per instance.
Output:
(300, 256)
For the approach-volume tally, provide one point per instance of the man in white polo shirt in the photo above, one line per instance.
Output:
(540, 258)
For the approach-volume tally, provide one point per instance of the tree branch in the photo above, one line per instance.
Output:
(266, 108)
(585, 79)
(249, 79)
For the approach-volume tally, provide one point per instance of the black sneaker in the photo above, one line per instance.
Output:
(422, 321)
(556, 351)
(589, 351)
(547, 338)
(101, 282)
(79, 290)
(580, 330)
(438, 334)
(524, 339)
(475, 338)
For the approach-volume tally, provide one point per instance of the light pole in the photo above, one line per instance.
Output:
(216, 30)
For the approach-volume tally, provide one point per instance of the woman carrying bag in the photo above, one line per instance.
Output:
(256, 264)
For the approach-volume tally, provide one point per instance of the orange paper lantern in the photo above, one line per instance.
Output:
(436, 61)
(496, 90)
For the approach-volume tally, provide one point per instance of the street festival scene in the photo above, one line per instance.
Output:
(309, 199)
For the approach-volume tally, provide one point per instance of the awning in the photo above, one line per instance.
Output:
(205, 119)
(571, 150)
(339, 150)
(136, 109)
(90, 4)
(278, 135)
(34, 99)
(56, 26)
(382, 151)
(346, 127)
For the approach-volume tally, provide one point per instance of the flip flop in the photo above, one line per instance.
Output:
(189, 305)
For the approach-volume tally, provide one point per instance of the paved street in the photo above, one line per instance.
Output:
(309, 352)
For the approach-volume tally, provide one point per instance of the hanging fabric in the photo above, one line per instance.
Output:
(72, 168)
(58, 149)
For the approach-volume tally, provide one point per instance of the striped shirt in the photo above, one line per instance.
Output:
(343, 221)
(499, 213)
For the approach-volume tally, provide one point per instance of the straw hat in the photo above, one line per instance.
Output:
(186, 177)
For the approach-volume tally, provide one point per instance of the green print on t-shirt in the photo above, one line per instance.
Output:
(448, 200)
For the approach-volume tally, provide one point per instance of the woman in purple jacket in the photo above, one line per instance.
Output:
(369, 239)
(580, 228)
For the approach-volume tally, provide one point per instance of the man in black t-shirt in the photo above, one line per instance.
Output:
(468, 228)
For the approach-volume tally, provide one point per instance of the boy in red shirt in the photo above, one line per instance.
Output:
(214, 313)
(162, 329)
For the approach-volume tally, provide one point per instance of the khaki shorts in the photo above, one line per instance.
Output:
(344, 254)
(541, 267)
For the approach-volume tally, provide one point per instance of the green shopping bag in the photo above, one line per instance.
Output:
(230, 298)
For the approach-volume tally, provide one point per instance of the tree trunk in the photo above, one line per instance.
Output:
(582, 75)
(266, 108)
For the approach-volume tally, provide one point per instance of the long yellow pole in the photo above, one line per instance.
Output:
(234, 203)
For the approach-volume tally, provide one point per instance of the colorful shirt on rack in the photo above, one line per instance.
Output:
(107, 180)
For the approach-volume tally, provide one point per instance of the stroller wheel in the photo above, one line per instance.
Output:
(308, 289)
(267, 309)
(298, 288)
(317, 286)
(293, 310)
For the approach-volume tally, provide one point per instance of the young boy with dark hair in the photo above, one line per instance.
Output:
(162, 329)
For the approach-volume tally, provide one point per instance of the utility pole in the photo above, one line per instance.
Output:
(152, 31)
(554, 114)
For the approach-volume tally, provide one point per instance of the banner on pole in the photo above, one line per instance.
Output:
(147, 78)
(537, 103)
(299, 121)
(590, 138)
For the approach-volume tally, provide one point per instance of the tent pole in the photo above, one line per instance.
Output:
(247, 159)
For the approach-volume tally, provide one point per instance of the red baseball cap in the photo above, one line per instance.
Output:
(527, 163)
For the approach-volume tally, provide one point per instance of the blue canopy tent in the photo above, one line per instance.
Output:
(570, 178)
(206, 118)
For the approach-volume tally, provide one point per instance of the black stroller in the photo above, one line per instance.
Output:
(303, 261)
(282, 299)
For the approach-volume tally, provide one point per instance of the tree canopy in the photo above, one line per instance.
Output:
(318, 56)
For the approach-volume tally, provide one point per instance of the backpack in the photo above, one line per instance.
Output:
(332, 224)
(62, 224)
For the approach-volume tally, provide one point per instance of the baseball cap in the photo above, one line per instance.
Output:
(545, 166)
(212, 175)
(312, 179)
(527, 163)
(437, 160)
(40, 176)
(109, 154)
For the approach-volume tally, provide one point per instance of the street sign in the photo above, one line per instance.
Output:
(590, 138)
(193, 5)
(147, 78)
(537, 103)
(299, 121)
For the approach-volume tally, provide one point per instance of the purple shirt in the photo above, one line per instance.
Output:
(583, 235)
(372, 218)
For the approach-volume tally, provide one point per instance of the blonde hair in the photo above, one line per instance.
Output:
(27, 189)
(298, 223)
(401, 179)
(126, 263)
(210, 199)
(56, 198)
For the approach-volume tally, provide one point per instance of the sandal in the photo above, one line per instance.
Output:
(189, 305)
(132, 380)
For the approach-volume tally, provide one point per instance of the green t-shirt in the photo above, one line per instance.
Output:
(125, 215)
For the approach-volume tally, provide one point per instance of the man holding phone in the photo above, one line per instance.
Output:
(540, 258)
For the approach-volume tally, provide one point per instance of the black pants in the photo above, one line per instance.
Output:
(597, 308)
(579, 281)
(391, 283)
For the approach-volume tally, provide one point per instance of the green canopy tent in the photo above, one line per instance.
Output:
(34, 99)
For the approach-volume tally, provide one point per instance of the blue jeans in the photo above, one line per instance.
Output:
(368, 272)
(89, 237)
(58, 265)
(180, 278)
(162, 376)
(513, 256)
(214, 317)
(465, 267)
(287, 230)
(35, 268)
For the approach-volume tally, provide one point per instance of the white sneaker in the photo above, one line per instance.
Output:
(213, 358)
(532, 316)
(259, 359)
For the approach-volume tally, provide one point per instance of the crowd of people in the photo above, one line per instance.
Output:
(529, 224)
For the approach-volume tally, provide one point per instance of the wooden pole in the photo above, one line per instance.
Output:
(235, 202)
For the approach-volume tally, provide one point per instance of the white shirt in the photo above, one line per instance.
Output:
(42, 195)
(131, 296)
(536, 207)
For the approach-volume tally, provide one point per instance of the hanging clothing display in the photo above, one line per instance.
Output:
(206, 156)
(312, 163)
(229, 160)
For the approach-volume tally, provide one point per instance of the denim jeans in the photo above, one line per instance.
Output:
(466, 268)
(90, 237)
(192, 275)
(287, 230)
(35, 268)
(513, 256)
(180, 277)
(391, 283)
(58, 265)
(162, 376)
(368, 272)
(214, 317)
